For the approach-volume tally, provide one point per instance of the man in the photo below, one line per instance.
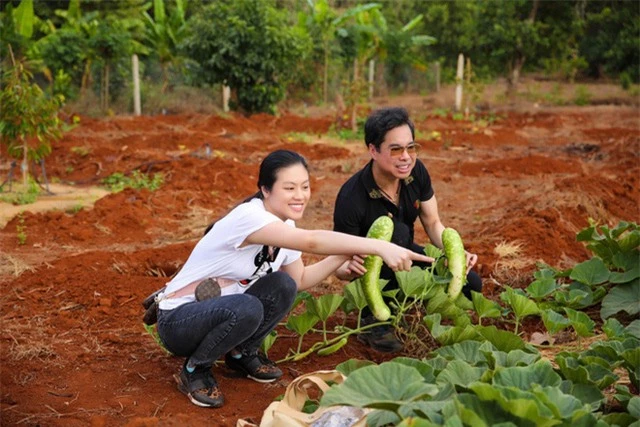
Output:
(397, 184)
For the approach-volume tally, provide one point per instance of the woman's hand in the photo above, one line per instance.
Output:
(471, 260)
(352, 269)
(399, 258)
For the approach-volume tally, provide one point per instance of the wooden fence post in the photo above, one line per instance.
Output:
(136, 85)
(459, 77)
(226, 94)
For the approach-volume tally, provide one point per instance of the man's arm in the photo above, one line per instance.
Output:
(430, 219)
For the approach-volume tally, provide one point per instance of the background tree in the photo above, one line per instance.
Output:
(28, 118)
(164, 33)
(248, 45)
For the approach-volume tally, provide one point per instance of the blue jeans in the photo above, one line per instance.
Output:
(204, 331)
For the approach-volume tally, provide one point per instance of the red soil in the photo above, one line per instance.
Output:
(73, 348)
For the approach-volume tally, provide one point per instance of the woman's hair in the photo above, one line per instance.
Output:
(269, 169)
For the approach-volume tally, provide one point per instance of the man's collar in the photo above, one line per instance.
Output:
(370, 184)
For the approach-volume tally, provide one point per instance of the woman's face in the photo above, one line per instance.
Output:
(290, 193)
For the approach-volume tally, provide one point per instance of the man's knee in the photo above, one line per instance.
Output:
(474, 283)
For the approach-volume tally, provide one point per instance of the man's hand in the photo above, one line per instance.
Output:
(471, 260)
(352, 269)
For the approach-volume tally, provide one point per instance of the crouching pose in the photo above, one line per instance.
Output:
(242, 277)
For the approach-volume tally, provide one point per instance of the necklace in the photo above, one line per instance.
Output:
(394, 199)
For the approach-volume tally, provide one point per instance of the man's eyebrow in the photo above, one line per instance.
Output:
(396, 144)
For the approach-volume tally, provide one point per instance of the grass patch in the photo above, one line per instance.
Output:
(138, 180)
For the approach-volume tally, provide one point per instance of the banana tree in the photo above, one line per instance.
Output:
(359, 30)
(164, 33)
(369, 36)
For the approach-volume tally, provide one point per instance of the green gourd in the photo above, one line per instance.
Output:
(382, 228)
(456, 260)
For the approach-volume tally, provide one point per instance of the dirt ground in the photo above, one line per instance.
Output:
(73, 350)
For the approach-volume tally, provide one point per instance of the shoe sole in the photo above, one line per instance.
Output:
(191, 398)
(251, 377)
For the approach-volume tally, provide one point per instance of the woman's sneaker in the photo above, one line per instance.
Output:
(200, 387)
(255, 366)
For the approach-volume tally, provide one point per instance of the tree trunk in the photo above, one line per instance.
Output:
(106, 86)
(25, 163)
(325, 77)
(354, 95)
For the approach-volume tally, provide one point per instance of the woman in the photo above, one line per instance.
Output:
(253, 255)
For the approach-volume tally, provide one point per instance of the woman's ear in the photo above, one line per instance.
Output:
(264, 191)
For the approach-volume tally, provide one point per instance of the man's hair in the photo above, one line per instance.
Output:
(382, 121)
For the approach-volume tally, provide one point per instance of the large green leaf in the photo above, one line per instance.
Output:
(591, 272)
(468, 351)
(424, 368)
(346, 368)
(540, 372)
(520, 403)
(302, 323)
(521, 305)
(459, 373)
(581, 322)
(501, 359)
(477, 413)
(484, 306)
(387, 386)
(634, 407)
(578, 373)
(501, 339)
(542, 287)
(324, 306)
(431, 408)
(624, 297)
(412, 282)
(554, 322)
(354, 294)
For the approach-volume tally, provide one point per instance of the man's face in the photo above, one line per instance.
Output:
(397, 154)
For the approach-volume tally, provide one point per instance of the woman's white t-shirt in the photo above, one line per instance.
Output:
(218, 254)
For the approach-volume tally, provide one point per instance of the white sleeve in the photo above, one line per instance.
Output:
(246, 219)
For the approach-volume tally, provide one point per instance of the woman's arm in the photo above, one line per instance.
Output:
(332, 243)
(310, 275)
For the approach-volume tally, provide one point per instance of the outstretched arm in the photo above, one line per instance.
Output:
(310, 275)
(332, 243)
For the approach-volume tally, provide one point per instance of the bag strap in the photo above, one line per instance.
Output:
(296, 394)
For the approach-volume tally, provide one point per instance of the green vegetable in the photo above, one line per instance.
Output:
(382, 228)
(333, 347)
(457, 260)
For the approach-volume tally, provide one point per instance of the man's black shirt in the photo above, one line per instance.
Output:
(360, 202)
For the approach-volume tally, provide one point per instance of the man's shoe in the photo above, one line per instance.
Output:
(380, 338)
(200, 387)
(255, 366)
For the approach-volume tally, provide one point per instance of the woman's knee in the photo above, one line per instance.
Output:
(249, 311)
(284, 285)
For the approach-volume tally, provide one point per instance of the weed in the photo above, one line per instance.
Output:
(555, 96)
(299, 137)
(138, 180)
(81, 151)
(440, 112)
(23, 197)
(582, 96)
(74, 209)
(21, 230)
